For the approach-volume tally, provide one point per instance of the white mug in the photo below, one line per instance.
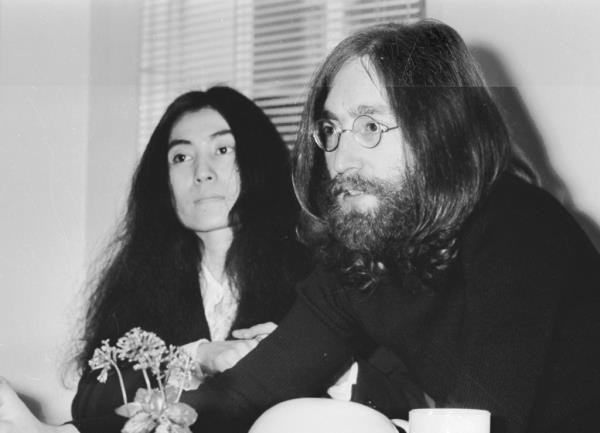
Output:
(446, 420)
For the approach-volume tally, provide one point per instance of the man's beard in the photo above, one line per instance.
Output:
(373, 231)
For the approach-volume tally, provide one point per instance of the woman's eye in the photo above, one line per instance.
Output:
(224, 150)
(180, 157)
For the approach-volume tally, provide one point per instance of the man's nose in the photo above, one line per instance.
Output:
(346, 156)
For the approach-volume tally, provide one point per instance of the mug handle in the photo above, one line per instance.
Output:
(402, 424)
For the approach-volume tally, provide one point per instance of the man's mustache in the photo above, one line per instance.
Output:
(353, 182)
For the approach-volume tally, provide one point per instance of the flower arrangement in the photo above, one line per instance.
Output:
(153, 409)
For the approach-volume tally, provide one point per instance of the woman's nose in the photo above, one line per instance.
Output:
(204, 172)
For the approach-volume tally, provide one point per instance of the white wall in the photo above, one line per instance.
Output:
(548, 52)
(43, 112)
(113, 123)
(68, 117)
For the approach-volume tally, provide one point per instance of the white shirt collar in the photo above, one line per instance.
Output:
(220, 303)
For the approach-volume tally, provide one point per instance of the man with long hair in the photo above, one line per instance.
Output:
(432, 243)
(435, 241)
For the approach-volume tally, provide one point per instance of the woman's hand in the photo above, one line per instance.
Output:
(257, 332)
(15, 417)
(218, 356)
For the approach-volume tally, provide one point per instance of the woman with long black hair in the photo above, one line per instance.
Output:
(207, 245)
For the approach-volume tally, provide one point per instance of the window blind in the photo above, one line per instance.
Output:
(267, 49)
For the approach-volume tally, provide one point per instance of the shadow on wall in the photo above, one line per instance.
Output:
(526, 136)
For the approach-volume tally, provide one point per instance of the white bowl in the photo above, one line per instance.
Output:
(321, 415)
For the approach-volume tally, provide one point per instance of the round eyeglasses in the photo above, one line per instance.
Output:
(365, 130)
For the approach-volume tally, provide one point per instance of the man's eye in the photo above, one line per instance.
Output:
(327, 130)
(371, 127)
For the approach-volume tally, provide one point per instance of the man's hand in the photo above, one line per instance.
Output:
(15, 417)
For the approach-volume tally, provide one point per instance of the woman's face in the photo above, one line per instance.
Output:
(203, 172)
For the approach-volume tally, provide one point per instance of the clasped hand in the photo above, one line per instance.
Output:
(218, 356)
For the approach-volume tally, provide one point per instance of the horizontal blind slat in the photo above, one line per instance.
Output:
(268, 47)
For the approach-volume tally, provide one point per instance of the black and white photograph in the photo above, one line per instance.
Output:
(300, 216)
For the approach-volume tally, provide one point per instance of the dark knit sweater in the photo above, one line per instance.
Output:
(514, 329)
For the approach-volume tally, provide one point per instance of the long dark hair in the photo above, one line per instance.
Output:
(151, 280)
(455, 133)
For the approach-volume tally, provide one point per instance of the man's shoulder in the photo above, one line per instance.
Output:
(520, 206)
(523, 237)
(513, 196)
(519, 216)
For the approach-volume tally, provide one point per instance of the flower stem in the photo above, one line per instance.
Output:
(146, 379)
(186, 374)
(121, 383)
(160, 386)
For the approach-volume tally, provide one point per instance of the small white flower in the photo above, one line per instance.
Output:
(144, 349)
(104, 359)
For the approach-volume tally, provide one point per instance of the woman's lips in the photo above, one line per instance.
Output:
(209, 199)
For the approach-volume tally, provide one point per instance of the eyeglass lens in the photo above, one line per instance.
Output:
(365, 130)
